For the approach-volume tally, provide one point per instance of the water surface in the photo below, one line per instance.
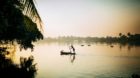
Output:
(95, 61)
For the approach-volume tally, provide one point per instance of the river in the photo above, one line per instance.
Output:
(90, 61)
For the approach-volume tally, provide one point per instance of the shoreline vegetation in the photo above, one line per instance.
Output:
(20, 24)
(130, 39)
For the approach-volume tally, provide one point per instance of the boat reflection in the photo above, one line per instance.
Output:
(72, 56)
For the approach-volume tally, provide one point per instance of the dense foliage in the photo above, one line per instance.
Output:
(16, 26)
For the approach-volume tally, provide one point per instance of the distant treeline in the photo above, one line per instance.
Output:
(133, 39)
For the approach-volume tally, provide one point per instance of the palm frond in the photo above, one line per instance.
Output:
(31, 11)
(19, 22)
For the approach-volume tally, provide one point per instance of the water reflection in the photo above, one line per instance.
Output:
(72, 57)
(8, 69)
(99, 60)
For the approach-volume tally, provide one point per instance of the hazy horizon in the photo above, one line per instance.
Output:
(94, 18)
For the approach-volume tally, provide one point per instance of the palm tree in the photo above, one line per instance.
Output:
(128, 34)
(30, 10)
(120, 34)
(18, 23)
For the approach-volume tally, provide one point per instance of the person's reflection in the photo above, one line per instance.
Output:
(72, 58)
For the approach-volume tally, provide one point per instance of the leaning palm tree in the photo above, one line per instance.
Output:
(19, 22)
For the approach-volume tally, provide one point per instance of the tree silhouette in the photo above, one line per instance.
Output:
(18, 23)
(120, 34)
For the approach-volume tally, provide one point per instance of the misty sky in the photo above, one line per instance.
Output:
(89, 17)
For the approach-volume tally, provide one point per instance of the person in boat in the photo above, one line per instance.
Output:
(73, 49)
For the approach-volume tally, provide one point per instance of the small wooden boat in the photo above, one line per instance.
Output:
(89, 45)
(66, 53)
(112, 46)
